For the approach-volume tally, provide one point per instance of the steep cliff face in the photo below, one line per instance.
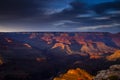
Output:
(113, 73)
(114, 56)
(96, 49)
(74, 74)
(63, 47)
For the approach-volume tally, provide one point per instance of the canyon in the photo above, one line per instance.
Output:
(45, 55)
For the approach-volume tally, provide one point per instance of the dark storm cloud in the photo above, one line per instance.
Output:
(103, 7)
(64, 15)
(22, 7)
(17, 7)
(76, 8)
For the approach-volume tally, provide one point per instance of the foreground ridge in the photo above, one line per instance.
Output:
(113, 73)
(75, 74)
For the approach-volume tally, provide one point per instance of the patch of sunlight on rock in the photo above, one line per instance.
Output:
(114, 56)
(75, 74)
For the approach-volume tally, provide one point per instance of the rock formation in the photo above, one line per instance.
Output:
(113, 73)
(75, 74)
(114, 56)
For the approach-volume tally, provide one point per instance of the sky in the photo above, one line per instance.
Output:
(60, 15)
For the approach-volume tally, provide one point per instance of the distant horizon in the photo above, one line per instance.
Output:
(56, 32)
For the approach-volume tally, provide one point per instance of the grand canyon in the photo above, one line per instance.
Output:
(47, 55)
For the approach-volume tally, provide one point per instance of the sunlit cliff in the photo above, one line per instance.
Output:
(75, 74)
(114, 56)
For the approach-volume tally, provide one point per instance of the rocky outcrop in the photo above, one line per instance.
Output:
(63, 38)
(102, 47)
(47, 37)
(96, 49)
(63, 47)
(75, 74)
(114, 56)
(113, 73)
(68, 49)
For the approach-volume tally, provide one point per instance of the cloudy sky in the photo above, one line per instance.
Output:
(60, 15)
